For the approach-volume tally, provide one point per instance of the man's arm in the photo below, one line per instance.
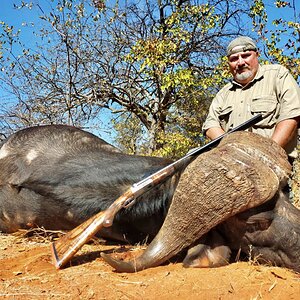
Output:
(289, 97)
(284, 131)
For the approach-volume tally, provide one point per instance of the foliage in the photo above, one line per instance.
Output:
(131, 135)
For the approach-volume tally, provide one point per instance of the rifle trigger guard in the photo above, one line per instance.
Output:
(129, 202)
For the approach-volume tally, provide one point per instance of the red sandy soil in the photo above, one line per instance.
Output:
(27, 273)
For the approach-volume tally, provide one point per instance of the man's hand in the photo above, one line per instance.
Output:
(214, 132)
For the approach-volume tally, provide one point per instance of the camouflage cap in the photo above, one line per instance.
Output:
(241, 44)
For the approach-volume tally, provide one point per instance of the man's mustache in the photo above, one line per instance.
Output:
(242, 68)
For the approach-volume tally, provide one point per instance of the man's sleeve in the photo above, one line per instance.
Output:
(289, 95)
(212, 119)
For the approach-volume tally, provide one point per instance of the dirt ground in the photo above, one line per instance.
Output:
(26, 272)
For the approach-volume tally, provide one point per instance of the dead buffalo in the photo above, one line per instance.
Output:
(59, 176)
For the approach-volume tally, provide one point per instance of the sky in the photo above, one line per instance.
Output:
(17, 18)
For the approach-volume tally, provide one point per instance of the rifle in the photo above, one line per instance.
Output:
(65, 248)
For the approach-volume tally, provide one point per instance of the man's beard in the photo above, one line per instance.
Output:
(243, 76)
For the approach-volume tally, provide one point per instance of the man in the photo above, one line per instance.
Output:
(267, 89)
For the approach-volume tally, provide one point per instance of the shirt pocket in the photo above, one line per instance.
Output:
(224, 116)
(267, 106)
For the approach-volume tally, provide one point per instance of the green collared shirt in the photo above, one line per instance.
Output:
(272, 92)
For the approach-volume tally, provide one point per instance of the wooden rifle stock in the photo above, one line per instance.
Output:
(65, 248)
